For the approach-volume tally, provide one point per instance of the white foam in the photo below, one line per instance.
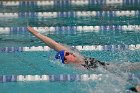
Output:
(84, 77)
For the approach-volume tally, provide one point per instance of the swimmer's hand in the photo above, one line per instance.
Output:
(30, 29)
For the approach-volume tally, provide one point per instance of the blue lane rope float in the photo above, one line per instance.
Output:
(61, 3)
(80, 48)
(127, 13)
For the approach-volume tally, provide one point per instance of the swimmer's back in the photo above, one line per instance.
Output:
(92, 63)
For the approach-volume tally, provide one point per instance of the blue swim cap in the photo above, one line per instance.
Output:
(60, 55)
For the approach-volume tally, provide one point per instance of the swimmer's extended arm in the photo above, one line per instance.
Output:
(50, 42)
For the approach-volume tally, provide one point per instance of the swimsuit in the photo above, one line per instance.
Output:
(92, 63)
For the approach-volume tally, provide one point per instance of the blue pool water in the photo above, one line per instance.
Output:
(43, 62)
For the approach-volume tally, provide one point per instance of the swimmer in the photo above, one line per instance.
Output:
(65, 54)
(68, 57)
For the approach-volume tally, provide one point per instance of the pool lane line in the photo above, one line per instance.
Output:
(121, 13)
(80, 48)
(61, 3)
(60, 77)
(70, 29)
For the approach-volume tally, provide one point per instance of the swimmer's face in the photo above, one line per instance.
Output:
(138, 88)
(69, 57)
